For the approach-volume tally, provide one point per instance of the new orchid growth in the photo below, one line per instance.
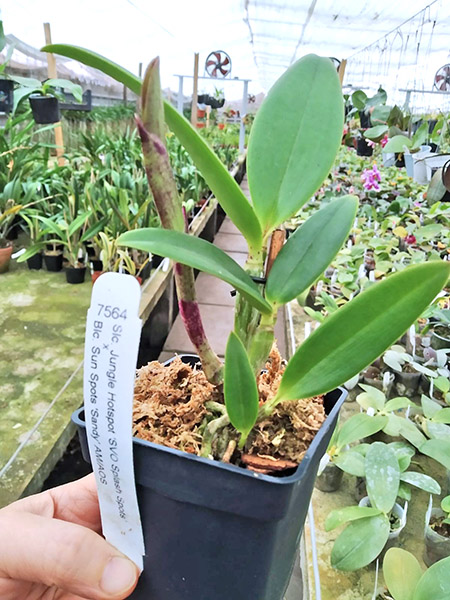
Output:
(293, 143)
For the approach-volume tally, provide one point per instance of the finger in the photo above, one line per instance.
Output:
(76, 502)
(57, 553)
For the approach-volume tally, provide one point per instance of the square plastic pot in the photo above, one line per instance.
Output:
(214, 530)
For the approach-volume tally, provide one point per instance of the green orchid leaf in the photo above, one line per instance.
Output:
(94, 229)
(223, 186)
(67, 85)
(199, 254)
(443, 416)
(436, 430)
(376, 133)
(380, 115)
(382, 476)
(240, 389)
(445, 504)
(31, 251)
(397, 144)
(350, 513)
(356, 334)
(421, 481)
(359, 426)
(435, 582)
(301, 120)
(359, 99)
(78, 223)
(401, 572)
(360, 543)
(28, 82)
(397, 404)
(421, 136)
(309, 251)
(371, 397)
(439, 450)
(404, 491)
(350, 462)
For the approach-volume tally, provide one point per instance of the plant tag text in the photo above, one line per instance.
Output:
(113, 331)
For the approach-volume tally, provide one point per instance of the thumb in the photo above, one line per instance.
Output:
(62, 554)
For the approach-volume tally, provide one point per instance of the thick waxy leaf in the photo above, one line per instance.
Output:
(376, 133)
(359, 99)
(199, 254)
(443, 416)
(382, 476)
(309, 251)
(350, 513)
(223, 186)
(351, 462)
(424, 482)
(380, 115)
(445, 504)
(359, 426)
(240, 389)
(360, 543)
(397, 403)
(300, 123)
(401, 572)
(356, 334)
(371, 398)
(397, 144)
(435, 582)
(406, 428)
(439, 450)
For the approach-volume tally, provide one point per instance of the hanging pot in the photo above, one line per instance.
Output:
(45, 109)
(75, 274)
(6, 95)
(5, 257)
(35, 262)
(215, 530)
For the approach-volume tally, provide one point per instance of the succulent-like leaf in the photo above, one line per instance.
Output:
(360, 543)
(439, 450)
(376, 133)
(359, 426)
(356, 334)
(401, 572)
(349, 513)
(397, 144)
(223, 186)
(424, 482)
(301, 123)
(382, 476)
(199, 254)
(350, 462)
(240, 389)
(309, 251)
(435, 582)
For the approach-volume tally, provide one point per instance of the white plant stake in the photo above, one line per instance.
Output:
(113, 331)
(412, 339)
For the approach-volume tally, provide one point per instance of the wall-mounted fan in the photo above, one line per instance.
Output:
(442, 79)
(218, 64)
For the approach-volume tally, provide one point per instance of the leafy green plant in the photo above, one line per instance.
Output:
(302, 146)
(405, 579)
(50, 87)
(369, 526)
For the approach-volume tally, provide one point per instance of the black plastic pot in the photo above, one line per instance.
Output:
(6, 95)
(75, 274)
(214, 530)
(330, 479)
(53, 262)
(156, 260)
(365, 120)
(45, 109)
(35, 262)
(362, 147)
(97, 265)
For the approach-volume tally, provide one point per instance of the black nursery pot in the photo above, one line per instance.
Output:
(214, 530)
(75, 275)
(6, 95)
(362, 147)
(45, 109)
(53, 262)
(35, 262)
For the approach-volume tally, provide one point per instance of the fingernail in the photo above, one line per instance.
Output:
(119, 576)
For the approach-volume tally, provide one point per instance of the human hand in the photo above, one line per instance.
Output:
(50, 549)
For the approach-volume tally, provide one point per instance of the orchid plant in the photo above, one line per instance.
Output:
(293, 143)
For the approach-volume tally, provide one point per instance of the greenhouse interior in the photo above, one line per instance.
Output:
(225, 300)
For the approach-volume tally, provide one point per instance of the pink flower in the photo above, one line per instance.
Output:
(410, 239)
(371, 177)
(370, 143)
(384, 141)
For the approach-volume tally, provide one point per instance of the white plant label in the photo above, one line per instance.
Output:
(113, 330)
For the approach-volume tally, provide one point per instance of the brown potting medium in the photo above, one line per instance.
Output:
(170, 409)
(437, 525)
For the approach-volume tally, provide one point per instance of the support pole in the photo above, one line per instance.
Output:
(195, 92)
(53, 74)
(140, 70)
(243, 113)
(341, 71)
(180, 98)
